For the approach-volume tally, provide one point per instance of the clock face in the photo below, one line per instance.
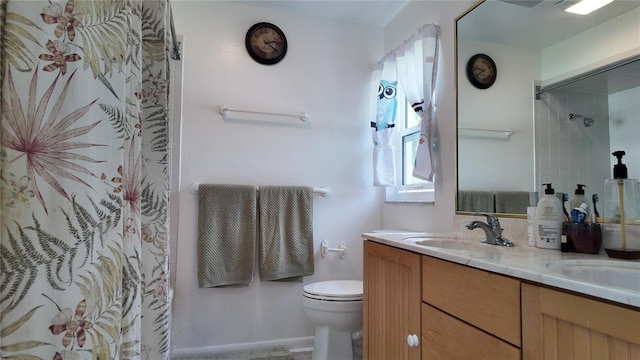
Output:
(266, 43)
(481, 71)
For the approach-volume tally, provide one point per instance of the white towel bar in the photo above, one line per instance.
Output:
(342, 249)
(224, 111)
(486, 133)
(323, 191)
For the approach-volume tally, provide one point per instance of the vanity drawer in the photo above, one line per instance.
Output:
(488, 301)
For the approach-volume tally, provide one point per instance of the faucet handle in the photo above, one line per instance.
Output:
(491, 219)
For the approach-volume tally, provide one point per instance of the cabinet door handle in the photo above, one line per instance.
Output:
(412, 340)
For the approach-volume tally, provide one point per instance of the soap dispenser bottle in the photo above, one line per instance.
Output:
(621, 213)
(547, 229)
(578, 199)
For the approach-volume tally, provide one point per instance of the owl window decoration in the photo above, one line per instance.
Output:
(402, 118)
(392, 104)
(387, 106)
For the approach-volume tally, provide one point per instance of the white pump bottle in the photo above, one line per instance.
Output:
(547, 227)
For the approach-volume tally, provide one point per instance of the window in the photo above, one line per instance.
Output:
(411, 69)
(406, 138)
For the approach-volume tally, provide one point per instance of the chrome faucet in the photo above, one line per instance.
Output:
(491, 228)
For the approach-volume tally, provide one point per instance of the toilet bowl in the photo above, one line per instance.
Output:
(335, 309)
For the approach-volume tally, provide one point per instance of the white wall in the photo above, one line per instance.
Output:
(325, 73)
(439, 216)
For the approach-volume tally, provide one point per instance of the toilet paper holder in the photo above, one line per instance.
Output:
(342, 249)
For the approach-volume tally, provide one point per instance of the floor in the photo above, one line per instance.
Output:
(279, 353)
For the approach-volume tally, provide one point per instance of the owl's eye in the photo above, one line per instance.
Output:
(389, 92)
(380, 89)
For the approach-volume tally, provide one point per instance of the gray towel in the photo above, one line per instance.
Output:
(286, 232)
(512, 202)
(226, 234)
(472, 200)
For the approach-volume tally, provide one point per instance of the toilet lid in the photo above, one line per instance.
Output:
(336, 290)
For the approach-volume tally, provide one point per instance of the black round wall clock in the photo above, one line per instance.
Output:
(266, 43)
(481, 71)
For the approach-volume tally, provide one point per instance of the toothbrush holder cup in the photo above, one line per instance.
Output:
(583, 237)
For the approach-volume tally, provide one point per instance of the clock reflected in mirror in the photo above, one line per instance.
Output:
(481, 71)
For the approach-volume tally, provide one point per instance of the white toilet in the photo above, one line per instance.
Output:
(335, 309)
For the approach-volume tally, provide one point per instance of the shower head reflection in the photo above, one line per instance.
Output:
(588, 122)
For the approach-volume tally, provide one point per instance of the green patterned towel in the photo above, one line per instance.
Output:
(472, 200)
(286, 232)
(512, 202)
(226, 234)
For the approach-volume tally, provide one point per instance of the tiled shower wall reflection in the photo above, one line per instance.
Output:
(567, 152)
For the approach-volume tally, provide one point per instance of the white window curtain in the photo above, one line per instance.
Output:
(412, 66)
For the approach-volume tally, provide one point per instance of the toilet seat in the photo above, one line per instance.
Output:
(334, 290)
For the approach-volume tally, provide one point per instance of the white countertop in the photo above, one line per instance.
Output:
(522, 261)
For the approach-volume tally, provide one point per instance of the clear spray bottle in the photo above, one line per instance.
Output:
(621, 220)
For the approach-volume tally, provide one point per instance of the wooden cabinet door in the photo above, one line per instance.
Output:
(446, 337)
(559, 325)
(391, 302)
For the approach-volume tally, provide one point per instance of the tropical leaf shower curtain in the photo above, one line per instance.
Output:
(84, 179)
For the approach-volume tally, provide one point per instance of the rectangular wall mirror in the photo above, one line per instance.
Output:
(566, 95)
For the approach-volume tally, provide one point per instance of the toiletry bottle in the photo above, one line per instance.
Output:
(578, 199)
(564, 244)
(621, 213)
(547, 228)
(531, 217)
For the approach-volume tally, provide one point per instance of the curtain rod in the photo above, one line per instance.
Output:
(541, 89)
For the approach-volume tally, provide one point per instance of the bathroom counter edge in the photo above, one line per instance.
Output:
(522, 262)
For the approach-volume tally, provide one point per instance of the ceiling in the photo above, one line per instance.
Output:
(373, 12)
(534, 24)
(538, 24)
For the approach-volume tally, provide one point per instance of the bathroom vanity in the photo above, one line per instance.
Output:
(441, 296)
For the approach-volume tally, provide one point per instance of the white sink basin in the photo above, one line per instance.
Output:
(620, 274)
(448, 241)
